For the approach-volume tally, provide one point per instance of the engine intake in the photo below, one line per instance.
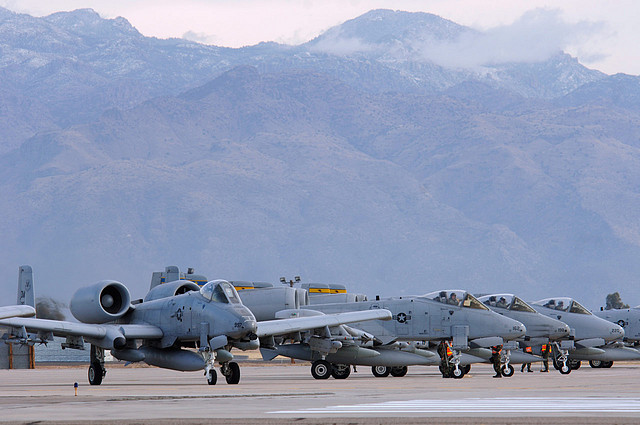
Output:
(171, 289)
(102, 302)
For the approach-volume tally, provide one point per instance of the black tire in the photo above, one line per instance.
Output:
(595, 363)
(457, 373)
(340, 371)
(95, 374)
(466, 368)
(212, 377)
(607, 365)
(380, 371)
(321, 369)
(565, 369)
(234, 373)
(575, 364)
(399, 371)
(556, 364)
(507, 371)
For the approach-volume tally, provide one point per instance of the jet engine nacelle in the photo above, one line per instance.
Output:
(103, 302)
(171, 289)
(264, 303)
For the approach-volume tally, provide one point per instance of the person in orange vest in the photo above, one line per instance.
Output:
(496, 351)
(445, 354)
(546, 351)
(527, 365)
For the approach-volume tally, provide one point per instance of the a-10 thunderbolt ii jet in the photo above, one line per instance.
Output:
(454, 316)
(540, 328)
(26, 300)
(593, 338)
(160, 329)
(629, 319)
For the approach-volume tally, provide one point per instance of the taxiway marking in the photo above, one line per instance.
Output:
(542, 405)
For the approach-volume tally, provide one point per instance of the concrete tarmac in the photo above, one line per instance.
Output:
(287, 394)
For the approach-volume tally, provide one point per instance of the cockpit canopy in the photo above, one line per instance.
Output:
(456, 297)
(220, 291)
(506, 301)
(563, 304)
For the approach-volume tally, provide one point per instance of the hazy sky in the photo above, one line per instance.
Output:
(602, 34)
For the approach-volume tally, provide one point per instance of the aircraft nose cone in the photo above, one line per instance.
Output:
(616, 332)
(515, 330)
(250, 325)
(519, 330)
(560, 332)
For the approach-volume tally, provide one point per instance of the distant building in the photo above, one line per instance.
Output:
(16, 356)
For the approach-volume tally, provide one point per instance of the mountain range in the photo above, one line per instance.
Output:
(358, 157)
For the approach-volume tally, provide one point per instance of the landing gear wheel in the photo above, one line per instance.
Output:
(507, 370)
(595, 363)
(212, 377)
(556, 364)
(607, 365)
(380, 371)
(575, 364)
(466, 368)
(340, 371)
(321, 369)
(233, 375)
(95, 374)
(399, 371)
(565, 369)
(457, 373)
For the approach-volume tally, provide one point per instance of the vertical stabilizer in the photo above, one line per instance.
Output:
(26, 295)
(171, 273)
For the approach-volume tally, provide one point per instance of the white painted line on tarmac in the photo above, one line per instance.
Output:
(540, 405)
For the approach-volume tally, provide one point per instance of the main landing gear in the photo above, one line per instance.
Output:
(600, 364)
(230, 370)
(561, 360)
(384, 371)
(96, 366)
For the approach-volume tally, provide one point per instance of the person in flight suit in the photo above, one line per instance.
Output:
(495, 358)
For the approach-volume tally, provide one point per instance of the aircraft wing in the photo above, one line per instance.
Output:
(17, 310)
(285, 326)
(63, 328)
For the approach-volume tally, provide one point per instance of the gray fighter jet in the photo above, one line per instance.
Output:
(540, 329)
(629, 319)
(593, 338)
(25, 306)
(453, 315)
(166, 328)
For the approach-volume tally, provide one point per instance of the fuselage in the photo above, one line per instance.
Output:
(421, 319)
(185, 317)
(584, 326)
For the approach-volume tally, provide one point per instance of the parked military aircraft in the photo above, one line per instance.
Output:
(593, 338)
(173, 316)
(629, 319)
(540, 329)
(26, 301)
(443, 315)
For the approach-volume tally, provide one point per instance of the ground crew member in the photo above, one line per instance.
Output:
(527, 365)
(496, 351)
(546, 351)
(445, 367)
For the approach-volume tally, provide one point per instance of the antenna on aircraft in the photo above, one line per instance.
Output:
(283, 280)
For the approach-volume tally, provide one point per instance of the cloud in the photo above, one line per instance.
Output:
(334, 43)
(199, 37)
(534, 37)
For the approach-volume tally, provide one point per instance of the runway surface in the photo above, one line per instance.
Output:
(282, 394)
